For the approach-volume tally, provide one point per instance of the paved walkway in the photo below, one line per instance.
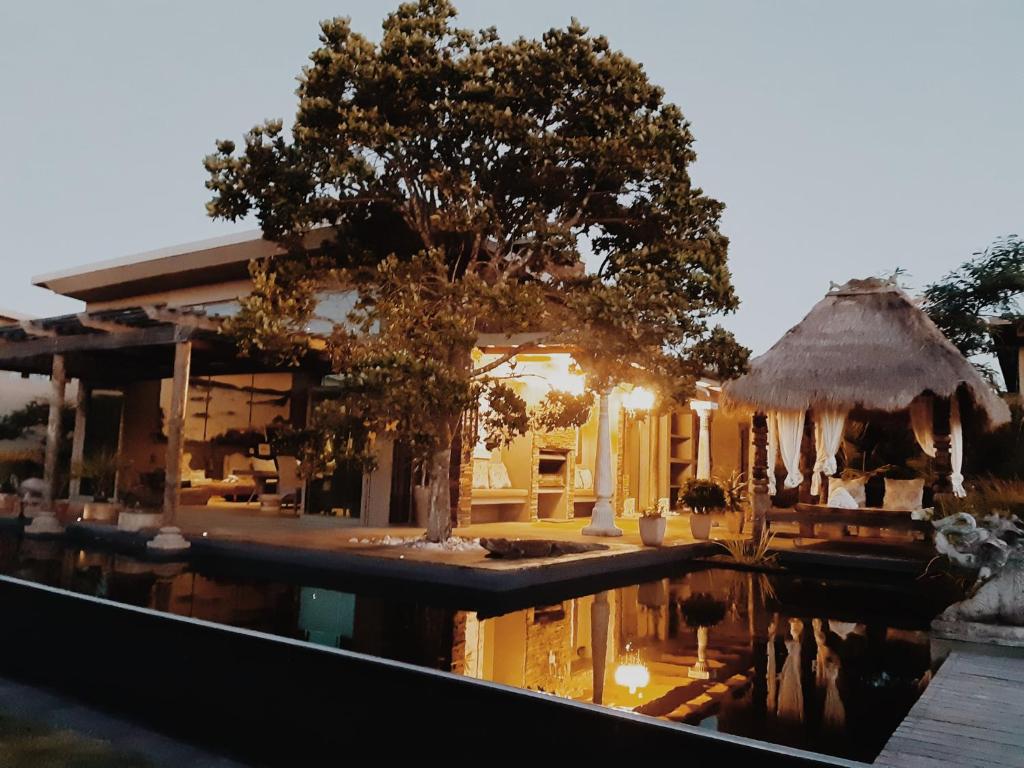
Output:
(970, 715)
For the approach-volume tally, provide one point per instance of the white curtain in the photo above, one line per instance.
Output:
(791, 434)
(956, 448)
(773, 452)
(828, 434)
(922, 422)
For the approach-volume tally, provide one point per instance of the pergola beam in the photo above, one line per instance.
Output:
(189, 320)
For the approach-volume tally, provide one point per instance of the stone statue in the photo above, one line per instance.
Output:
(996, 549)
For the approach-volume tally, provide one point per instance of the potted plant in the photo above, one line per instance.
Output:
(702, 497)
(10, 503)
(143, 503)
(101, 470)
(652, 526)
(735, 489)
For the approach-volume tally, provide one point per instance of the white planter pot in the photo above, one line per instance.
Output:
(101, 511)
(139, 520)
(652, 530)
(700, 526)
(421, 504)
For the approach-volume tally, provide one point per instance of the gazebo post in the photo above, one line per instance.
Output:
(760, 500)
(46, 523)
(943, 460)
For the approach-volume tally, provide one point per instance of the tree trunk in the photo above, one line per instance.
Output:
(439, 518)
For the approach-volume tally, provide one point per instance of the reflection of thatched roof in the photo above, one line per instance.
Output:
(866, 344)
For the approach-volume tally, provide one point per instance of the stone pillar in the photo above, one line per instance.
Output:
(703, 439)
(602, 521)
(46, 523)
(78, 440)
(169, 538)
(943, 461)
(760, 500)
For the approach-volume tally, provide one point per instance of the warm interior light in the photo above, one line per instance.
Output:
(633, 676)
(565, 380)
(639, 399)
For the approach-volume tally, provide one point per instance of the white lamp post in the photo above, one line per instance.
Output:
(703, 409)
(602, 521)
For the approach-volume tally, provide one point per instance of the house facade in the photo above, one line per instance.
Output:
(162, 390)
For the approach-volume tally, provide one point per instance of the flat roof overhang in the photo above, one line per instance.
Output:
(205, 262)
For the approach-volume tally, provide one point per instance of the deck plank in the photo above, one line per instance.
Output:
(969, 716)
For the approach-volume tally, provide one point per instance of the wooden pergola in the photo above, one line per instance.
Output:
(108, 348)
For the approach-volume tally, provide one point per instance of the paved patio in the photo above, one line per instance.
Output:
(239, 523)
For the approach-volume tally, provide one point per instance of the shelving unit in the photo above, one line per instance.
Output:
(553, 471)
(681, 447)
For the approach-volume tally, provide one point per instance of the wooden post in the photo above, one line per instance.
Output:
(78, 440)
(943, 461)
(176, 430)
(760, 500)
(58, 384)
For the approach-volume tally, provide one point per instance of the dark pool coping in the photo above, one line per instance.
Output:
(37, 706)
(845, 561)
(251, 682)
(558, 571)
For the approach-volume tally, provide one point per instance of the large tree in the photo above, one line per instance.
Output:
(984, 288)
(469, 185)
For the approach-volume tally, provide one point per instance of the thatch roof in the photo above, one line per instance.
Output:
(866, 345)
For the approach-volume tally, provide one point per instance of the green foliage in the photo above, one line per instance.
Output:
(702, 496)
(457, 181)
(734, 487)
(562, 410)
(986, 286)
(987, 496)
(15, 424)
(751, 552)
(101, 468)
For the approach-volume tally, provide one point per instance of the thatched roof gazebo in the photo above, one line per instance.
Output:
(865, 346)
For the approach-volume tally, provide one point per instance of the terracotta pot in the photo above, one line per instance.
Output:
(652, 530)
(700, 526)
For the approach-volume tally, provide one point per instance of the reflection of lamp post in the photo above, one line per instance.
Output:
(600, 612)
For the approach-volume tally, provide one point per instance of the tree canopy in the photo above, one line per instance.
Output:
(468, 185)
(986, 287)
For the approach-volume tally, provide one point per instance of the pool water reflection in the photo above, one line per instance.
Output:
(823, 665)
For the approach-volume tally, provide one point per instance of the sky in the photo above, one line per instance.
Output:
(846, 139)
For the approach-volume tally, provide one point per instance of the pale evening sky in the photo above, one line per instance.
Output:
(846, 139)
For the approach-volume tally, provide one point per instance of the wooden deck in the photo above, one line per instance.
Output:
(970, 715)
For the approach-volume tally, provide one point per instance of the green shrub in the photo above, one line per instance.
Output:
(703, 495)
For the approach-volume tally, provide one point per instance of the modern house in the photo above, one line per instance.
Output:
(162, 389)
